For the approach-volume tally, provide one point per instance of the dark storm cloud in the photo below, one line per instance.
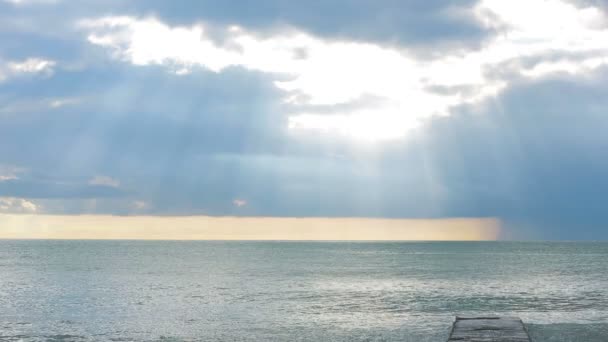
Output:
(407, 22)
(534, 156)
(122, 112)
(410, 22)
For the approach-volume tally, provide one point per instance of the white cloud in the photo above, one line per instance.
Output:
(29, 66)
(17, 205)
(105, 181)
(63, 102)
(328, 72)
(10, 172)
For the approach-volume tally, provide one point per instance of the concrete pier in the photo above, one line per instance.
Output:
(488, 329)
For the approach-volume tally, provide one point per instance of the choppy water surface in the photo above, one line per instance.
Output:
(296, 291)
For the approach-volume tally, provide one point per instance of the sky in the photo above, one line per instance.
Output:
(149, 113)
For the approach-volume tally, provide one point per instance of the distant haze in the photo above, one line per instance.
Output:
(243, 228)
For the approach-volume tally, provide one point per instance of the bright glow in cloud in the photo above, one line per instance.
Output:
(243, 228)
(328, 72)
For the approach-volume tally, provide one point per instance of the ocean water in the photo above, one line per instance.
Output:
(296, 291)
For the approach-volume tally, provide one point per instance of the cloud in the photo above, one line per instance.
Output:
(449, 24)
(332, 72)
(104, 181)
(192, 148)
(531, 156)
(30, 66)
(7, 177)
(17, 205)
(58, 103)
(337, 72)
(239, 203)
(10, 172)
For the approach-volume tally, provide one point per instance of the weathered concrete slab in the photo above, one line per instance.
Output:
(488, 329)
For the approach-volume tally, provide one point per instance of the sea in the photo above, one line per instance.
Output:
(296, 291)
